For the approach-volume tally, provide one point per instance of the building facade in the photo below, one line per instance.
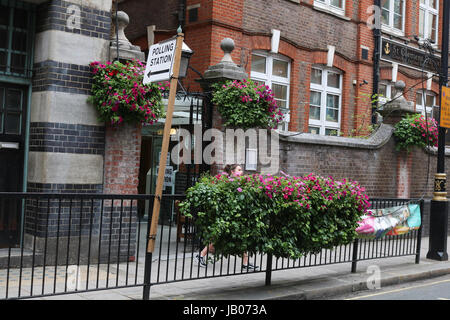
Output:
(322, 58)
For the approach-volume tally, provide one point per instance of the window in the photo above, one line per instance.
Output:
(325, 102)
(386, 92)
(428, 19)
(15, 40)
(274, 71)
(335, 6)
(392, 14)
(430, 101)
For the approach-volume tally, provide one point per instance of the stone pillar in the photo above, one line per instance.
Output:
(225, 70)
(122, 159)
(66, 142)
(392, 113)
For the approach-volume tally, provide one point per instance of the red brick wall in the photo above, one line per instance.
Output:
(122, 159)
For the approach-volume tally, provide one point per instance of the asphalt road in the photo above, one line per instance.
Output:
(430, 289)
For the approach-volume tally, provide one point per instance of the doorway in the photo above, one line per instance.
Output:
(12, 149)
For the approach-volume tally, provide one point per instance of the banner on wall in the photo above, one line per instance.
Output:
(389, 221)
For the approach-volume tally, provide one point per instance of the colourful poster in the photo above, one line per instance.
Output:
(389, 221)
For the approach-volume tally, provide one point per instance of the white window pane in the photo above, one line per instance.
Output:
(332, 101)
(331, 132)
(385, 4)
(315, 98)
(332, 115)
(419, 98)
(421, 23)
(398, 23)
(385, 16)
(398, 6)
(336, 3)
(432, 26)
(314, 130)
(314, 105)
(429, 101)
(259, 82)
(279, 91)
(316, 76)
(333, 80)
(382, 90)
(258, 64)
(280, 68)
(422, 1)
(314, 112)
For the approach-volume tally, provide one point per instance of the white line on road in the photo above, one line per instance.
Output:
(398, 290)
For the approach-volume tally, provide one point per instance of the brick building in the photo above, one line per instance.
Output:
(317, 55)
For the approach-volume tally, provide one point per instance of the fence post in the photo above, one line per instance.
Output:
(269, 270)
(147, 276)
(355, 255)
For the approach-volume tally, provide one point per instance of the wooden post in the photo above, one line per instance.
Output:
(165, 145)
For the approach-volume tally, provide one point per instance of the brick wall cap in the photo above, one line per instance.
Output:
(375, 141)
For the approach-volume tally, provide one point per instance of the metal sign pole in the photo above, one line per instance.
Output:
(165, 145)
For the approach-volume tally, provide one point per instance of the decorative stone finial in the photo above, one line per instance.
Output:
(399, 87)
(227, 46)
(226, 69)
(127, 51)
(398, 106)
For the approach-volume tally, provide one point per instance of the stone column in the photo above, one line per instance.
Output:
(66, 142)
(225, 70)
(392, 113)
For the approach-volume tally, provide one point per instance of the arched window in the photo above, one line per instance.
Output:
(274, 70)
(325, 101)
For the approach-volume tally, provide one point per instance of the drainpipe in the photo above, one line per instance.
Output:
(376, 57)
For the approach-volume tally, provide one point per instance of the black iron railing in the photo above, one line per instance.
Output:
(72, 243)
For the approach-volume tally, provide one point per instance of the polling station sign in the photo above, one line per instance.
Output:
(160, 61)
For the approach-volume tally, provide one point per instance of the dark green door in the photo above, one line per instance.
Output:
(12, 140)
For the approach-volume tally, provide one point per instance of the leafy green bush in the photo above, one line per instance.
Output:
(244, 104)
(286, 217)
(412, 131)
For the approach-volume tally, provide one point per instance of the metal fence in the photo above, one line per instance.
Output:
(73, 243)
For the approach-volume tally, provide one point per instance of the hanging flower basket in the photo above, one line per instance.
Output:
(414, 130)
(244, 104)
(120, 97)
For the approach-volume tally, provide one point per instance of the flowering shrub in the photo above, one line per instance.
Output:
(119, 95)
(412, 131)
(244, 104)
(283, 216)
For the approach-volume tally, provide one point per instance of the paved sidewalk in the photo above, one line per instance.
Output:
(302, 283)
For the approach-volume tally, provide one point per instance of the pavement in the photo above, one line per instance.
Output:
(308, 283)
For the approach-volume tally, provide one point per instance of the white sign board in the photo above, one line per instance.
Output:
(160, 61)
(168, 177)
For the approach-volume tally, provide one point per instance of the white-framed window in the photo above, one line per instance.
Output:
(386, 92)
(428, 19)
(336, 6)
(274, 70)
(393, 15)
(325, 101)
(425, 100)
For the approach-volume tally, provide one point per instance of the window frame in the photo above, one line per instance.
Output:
(322, 124)
(420, 107)
(427, 8)
(326, 5)
(268, 78)
(389, 27)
